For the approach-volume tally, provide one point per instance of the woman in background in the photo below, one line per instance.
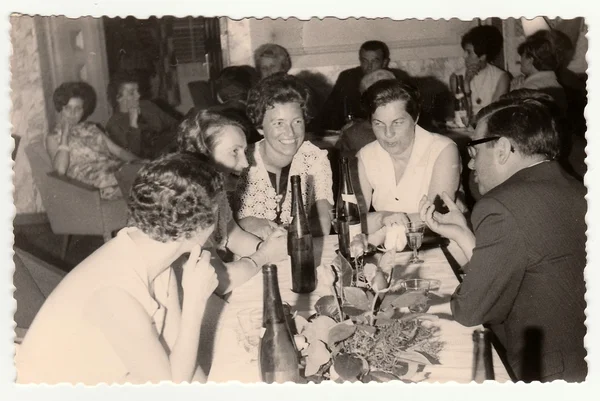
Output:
(271, 59)
(484, 82)
(79, 149)
(116, 317)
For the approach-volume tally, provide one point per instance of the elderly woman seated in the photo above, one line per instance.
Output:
(405, 162)
(278, 108)
(271, 59)
(222, 139)
(116, 318)
(80, 149)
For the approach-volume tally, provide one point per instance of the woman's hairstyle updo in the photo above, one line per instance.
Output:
(485, 39)
(175, 196)
(199, 131)
(277, 89)
(81, 90)
(389, 90)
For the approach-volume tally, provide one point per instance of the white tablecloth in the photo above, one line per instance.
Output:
(231, 362)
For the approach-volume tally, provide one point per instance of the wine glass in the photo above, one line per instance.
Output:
(421, 286)
(414, 233)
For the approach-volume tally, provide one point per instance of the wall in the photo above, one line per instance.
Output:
(331, 45)
(28, 114)
(189, 72)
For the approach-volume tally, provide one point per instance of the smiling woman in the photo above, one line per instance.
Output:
(278, 108)
(405, 162)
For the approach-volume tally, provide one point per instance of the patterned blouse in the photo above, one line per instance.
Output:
(256, 196)
(90, 160)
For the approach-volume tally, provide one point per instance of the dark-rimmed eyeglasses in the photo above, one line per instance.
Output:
(471, 144)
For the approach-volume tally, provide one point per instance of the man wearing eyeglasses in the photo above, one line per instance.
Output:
(526, 252)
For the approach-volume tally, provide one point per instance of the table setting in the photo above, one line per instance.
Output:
(368, 326)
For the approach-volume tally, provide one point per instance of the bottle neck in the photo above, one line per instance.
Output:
(299, 224)
(483, 368)
(272, 306)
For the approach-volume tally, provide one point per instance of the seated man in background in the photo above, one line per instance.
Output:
(526, 256)
(138, 126)
(270, 59)
(343, 103)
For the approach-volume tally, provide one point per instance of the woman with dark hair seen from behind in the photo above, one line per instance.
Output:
(222, 139)
(278, 107)
(405, 162)
(116, 318)
(270, 59)
(232, 87)
(542, 54)
(139, 126)
(79, 149)
(483, 81)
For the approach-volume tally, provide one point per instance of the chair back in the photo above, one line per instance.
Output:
(72, 206)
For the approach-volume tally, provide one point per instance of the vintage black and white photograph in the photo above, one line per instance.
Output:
(209, 199)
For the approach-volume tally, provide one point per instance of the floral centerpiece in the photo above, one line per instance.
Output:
(364, 330)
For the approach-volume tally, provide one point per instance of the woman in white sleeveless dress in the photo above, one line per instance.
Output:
(406, 162)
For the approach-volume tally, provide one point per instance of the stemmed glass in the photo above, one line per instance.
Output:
(414, 233)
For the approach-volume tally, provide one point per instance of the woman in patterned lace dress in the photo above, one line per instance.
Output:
(80, 149)
(277, 106)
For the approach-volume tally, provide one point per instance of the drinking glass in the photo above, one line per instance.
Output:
(250, 325)
(414, 234)
(421, 286)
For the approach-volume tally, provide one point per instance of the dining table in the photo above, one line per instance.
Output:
(233, 360)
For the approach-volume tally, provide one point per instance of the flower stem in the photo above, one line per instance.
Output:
(337, 302)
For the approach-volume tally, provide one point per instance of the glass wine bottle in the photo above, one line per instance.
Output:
(461, 104)
(278, 354)
(347, 213)
(483, 366)
(300, 246)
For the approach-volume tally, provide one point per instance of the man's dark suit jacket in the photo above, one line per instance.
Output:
(345, 91)
(525, 278)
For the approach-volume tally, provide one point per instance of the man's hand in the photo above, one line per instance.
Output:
(452, 225)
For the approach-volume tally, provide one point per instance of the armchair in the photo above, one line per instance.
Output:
(73, 208)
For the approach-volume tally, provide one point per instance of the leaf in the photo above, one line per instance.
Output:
(327, 306)
(348, 367)
(340, 332)
(366, 328)
(387, 314)
(352, 311)
(380, 376)
(344, 271)
(388, 261)
(369, 270)
(357, 298)
(316, 356)
(300, 323)
(318, 329)
(412, 356)
(409, 298)
(413, 368)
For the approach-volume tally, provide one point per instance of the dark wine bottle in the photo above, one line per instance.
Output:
(461, 114)
(347, 213)
(300, 245)
(278, 354)
(483, 364)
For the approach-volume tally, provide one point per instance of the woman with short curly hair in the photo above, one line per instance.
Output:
(278, 107)
(116, 318)
(79, 149)
(484, 82)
